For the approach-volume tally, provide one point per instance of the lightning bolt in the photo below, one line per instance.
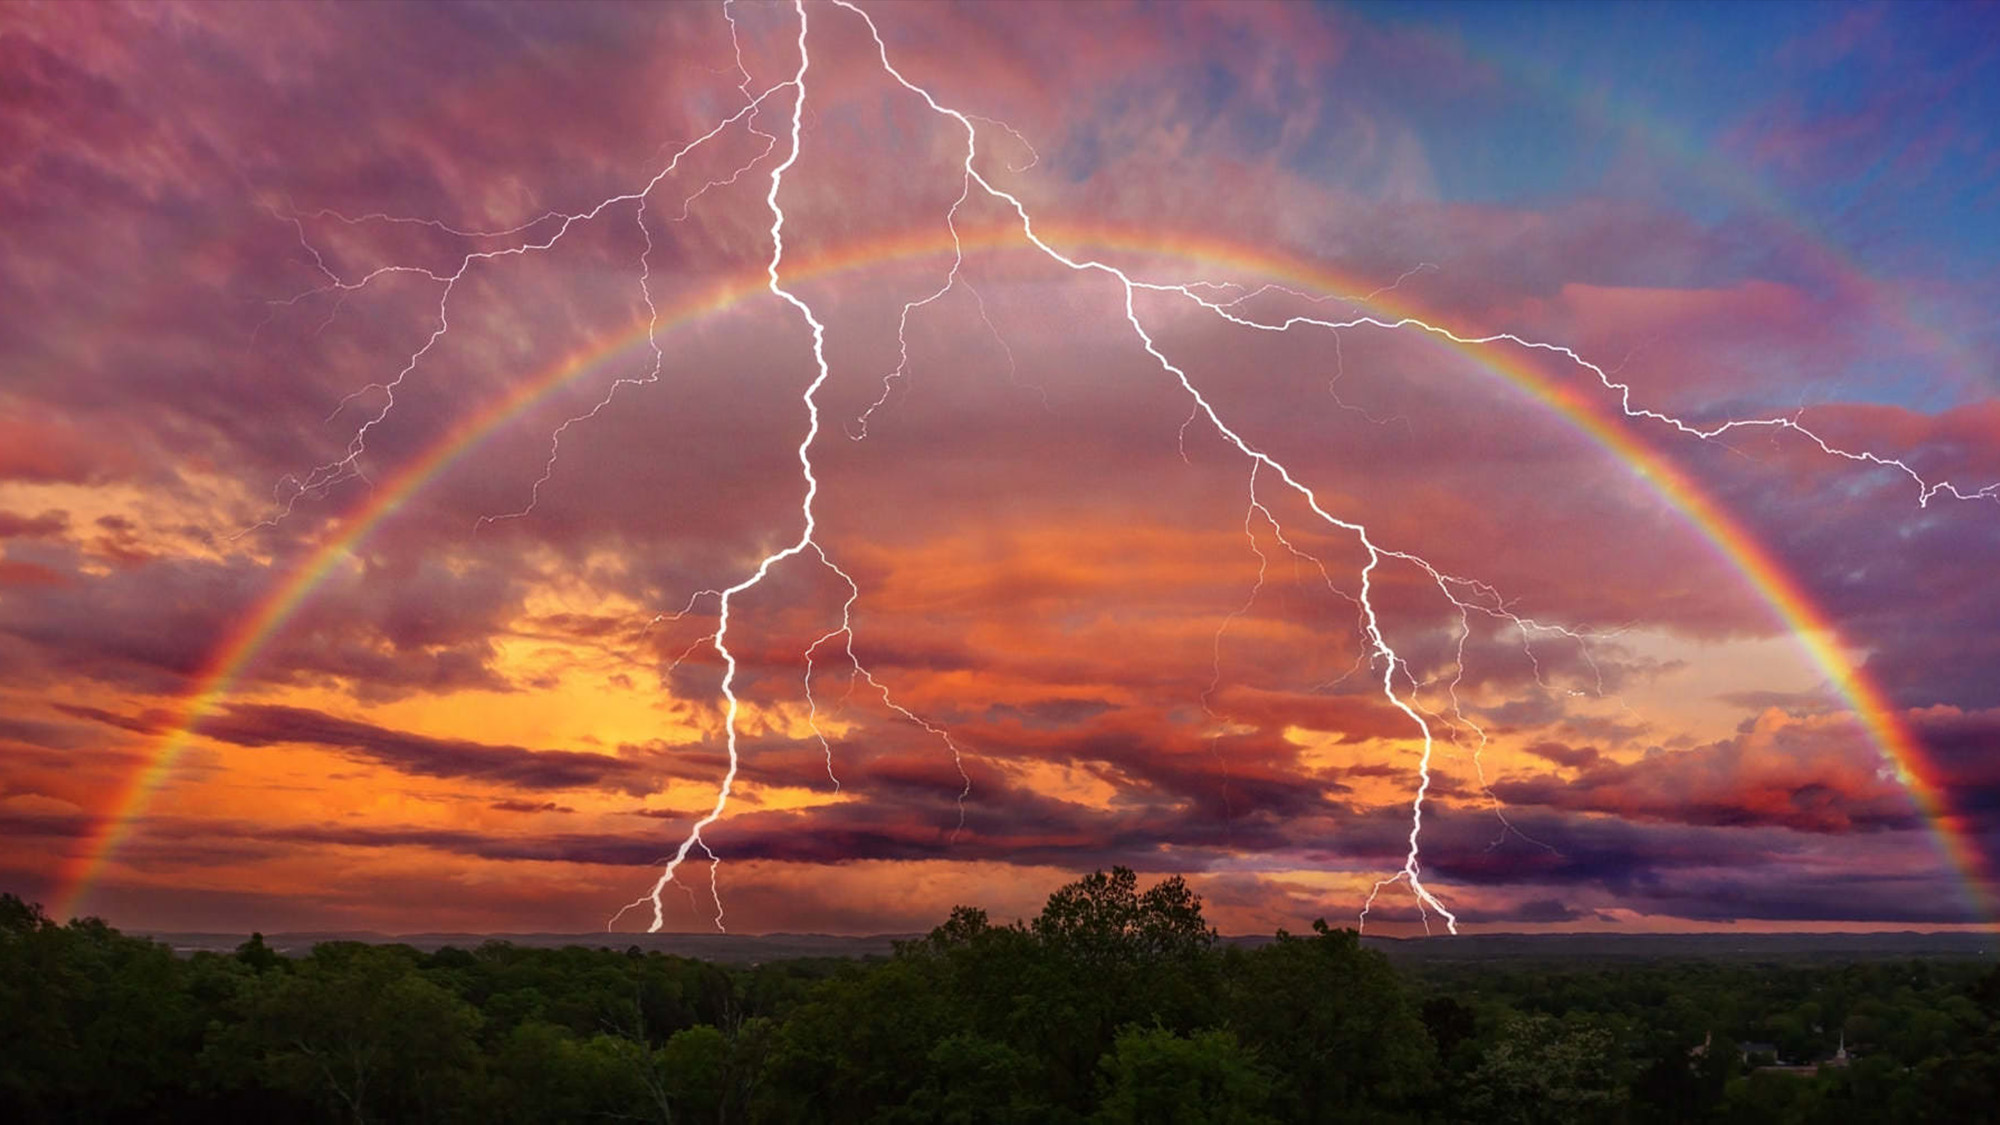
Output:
(804, 543)
(846, 633)
(1202, 408)
(809, 517)
(1411, 871)
(1255, 509)
(316, 482)
(652, 375)
(902, 371)
(1927, 489)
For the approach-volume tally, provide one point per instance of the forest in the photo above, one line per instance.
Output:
(1115, 1004)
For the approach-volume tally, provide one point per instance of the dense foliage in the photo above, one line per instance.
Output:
(1115, 1004)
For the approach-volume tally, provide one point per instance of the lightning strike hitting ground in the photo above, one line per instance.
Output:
(805, 539)
(1466, 596)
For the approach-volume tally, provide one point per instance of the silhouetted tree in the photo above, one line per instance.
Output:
(1332, 1018)
(360, 1027)
(1154, 1077)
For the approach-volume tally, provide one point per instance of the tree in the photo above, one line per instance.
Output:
(1105, 954)
(690, 1075)
(1451, 1025)
(93, 1024)
(1154, 1077)
(973, 1080)
(257, 955)
(1545, 1071)
(857, 1049)
(358, 1026)
(543, 1072)
(1332, 1019)
(1105, 921)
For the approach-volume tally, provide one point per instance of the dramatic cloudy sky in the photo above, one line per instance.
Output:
(297, 294)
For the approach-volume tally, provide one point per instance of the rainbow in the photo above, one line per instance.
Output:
(1732, 542)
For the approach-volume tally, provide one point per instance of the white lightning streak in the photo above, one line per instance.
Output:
(1411, 872)
(805, 539)
(1257, 587)
(652, 374)
(846, 631)
(812, 703)
(861, 671)
(347, 467)
(1928, 489)
(403, 220)
(859, 431)
(1215, 676)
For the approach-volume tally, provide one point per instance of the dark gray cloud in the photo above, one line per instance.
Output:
(258, 725)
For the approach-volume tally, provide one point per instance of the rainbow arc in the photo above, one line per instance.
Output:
(1733, 542)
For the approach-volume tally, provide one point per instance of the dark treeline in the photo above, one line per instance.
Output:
(1115, 1004)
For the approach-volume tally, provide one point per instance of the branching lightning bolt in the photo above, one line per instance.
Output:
(822, 373)
(1202, 408)
(1411, 871)
(846, 634)
(347, 467)
(859, 430)
(652, 374)
(1927, 489)
(804, 542)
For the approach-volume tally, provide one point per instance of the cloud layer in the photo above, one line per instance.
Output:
(225, 248)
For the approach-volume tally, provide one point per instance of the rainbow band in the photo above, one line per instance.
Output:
(1733, 542)
(1795, 607)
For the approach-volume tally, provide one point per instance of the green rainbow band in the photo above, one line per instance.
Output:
(1733, 542)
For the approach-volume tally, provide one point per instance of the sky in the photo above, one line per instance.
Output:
(1489, 466)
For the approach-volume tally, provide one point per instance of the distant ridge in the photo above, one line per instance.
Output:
(1599, 947)
(723, 947)
(1706, 946)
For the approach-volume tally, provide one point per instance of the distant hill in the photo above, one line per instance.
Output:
(1527, 948)
(1532, 948)
(726, 948)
